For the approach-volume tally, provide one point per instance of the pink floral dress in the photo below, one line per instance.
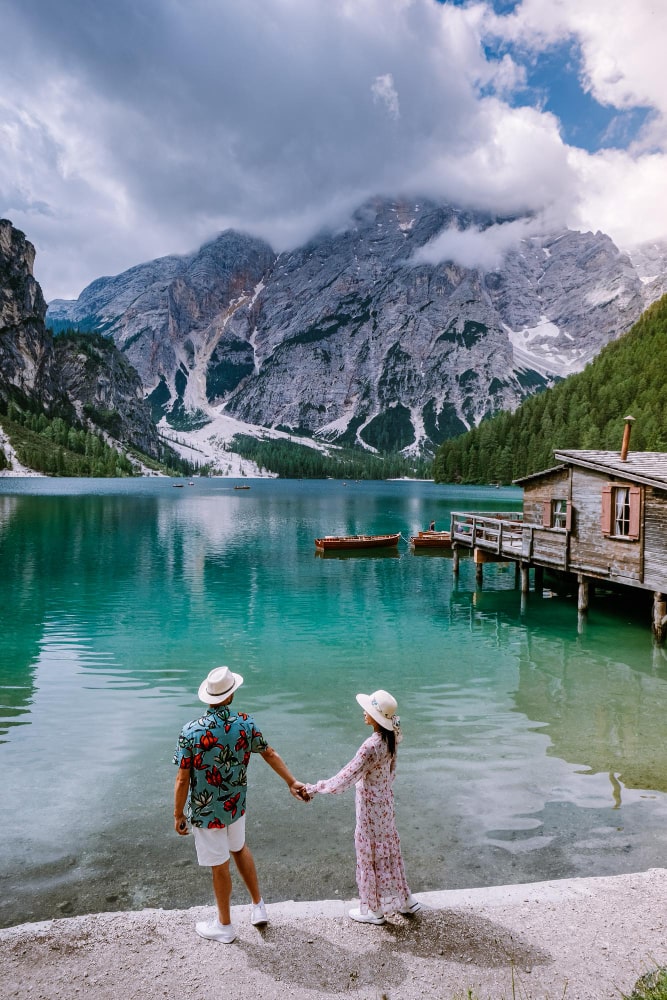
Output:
(380, 870)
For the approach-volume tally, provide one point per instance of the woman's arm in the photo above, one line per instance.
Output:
(348, 775)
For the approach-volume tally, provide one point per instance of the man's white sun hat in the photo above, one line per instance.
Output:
(219, 685)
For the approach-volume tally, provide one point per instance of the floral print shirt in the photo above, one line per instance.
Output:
(216, 749)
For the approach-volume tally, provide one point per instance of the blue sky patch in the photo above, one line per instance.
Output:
(554, 84)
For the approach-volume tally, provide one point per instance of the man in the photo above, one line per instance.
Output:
(212, 758)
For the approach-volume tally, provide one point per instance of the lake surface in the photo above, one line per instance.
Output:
(534, 743)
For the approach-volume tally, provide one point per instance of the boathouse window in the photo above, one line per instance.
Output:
(557, 513)
(621, 506)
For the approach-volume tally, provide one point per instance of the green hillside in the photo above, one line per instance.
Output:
(629, 376)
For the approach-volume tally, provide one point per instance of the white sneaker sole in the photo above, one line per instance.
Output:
(208, 935)
(366, 918)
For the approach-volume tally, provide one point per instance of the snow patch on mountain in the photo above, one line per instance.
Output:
(532, 349)
(210, 445)
(601, 296)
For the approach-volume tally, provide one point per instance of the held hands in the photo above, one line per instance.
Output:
(298, 790)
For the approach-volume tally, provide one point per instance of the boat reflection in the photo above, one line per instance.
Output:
(433, 552)
(357, 554)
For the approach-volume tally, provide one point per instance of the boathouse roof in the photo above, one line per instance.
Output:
(647, 467)
(539, 475)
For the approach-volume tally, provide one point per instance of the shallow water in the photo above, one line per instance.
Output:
(534, 743)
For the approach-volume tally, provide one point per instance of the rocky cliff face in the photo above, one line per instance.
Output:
(26, 351)
(105, 390)
(353, 340)
(83, 376)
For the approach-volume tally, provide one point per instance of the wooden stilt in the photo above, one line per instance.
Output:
(525, 578)
(479, 557)
(659, 617)
(582, 593)
(455, 559)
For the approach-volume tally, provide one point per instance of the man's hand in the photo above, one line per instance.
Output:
(181, 788)
(181, 825)
(298, 790)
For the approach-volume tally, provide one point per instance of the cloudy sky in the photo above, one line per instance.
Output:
(129, 130)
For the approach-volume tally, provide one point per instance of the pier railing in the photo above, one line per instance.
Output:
(506, 534)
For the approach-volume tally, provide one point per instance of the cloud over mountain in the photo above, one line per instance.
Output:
(137, 129)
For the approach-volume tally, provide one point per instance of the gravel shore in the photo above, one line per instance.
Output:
(582, 939)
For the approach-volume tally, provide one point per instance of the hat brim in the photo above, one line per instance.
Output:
(210, 699)
(368, 707)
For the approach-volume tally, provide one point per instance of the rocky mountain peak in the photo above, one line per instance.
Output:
(359, 336)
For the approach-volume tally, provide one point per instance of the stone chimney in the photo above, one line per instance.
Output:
(626, 437)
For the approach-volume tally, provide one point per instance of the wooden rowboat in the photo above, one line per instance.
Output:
(357, 542)
(431, 540)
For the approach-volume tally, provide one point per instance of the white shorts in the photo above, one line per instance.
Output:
(213, 846)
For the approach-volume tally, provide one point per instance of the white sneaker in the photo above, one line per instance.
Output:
(258, 913)
(411, 905)
(370, 917)
(215, 931)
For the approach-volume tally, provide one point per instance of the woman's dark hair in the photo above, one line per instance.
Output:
(389, 737)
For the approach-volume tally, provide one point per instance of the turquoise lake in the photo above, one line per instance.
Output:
(534, 742)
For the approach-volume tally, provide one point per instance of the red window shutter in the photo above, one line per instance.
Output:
(605, 522)
(546, 513)
(568, 516)
(635, 511)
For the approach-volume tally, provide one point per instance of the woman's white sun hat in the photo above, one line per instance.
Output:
(382, 707)
(219, 685)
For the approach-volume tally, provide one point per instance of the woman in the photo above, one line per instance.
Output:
(380, 872)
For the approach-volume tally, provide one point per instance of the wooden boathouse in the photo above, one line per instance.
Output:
(599, 516)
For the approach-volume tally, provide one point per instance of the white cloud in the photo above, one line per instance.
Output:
(623, 196)
(621, 192)
(384, 92)
(622, 43)
(483, 249)
(135, 129)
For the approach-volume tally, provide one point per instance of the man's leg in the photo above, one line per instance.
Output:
(222, 888)
(246, 865)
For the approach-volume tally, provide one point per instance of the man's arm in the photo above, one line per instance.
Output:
(274, 760)
(181, 789)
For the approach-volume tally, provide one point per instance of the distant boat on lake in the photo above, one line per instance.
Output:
(357, 542)
(241, 487)
(178, 485)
